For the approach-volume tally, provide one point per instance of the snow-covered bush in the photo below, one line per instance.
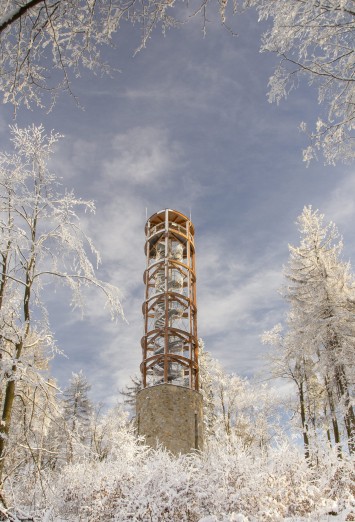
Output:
(225, 483)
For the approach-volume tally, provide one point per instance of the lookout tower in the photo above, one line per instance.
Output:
(169, 407)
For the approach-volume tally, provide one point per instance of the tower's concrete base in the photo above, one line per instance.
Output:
(172, 416)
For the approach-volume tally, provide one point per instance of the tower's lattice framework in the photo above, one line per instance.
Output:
(170, 347)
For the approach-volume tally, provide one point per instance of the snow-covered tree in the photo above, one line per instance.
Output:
(77, 412)
(315, 41)
(40, 242)
(206, 382)
(67, 36)
(110, 433)
(236, 407)
(129, 392)
(286, 361)
(77, 405)
(317, 352)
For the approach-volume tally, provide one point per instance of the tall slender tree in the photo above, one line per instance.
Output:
(40, 242)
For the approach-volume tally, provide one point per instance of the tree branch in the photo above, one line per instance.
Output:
(7, 20)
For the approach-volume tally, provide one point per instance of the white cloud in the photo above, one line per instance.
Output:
(142, 155)
(341, 205)
(237, 300)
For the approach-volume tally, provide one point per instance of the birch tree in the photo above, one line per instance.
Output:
(41, 243)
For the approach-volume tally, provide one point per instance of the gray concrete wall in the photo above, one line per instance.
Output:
(170, 415)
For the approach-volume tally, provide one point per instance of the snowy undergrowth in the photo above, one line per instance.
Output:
(226, 483)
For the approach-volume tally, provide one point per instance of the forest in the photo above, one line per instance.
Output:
(278, 446)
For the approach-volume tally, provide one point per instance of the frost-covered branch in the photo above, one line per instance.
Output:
(315, 41)
(11, 16)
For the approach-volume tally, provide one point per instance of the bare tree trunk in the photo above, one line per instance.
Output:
(10, 386)
(349, 417)
(7, 411)
(342, 389)
(333, 417)
(304, 421)
(328, 430)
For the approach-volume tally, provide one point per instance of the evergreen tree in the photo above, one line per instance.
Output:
(77, 412)
(318, 348)
(130, 391)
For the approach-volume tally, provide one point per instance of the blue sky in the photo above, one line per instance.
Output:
(185, 124)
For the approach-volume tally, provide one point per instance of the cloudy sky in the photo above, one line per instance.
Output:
(185, 124)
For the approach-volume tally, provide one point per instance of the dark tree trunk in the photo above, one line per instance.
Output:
(304, 421)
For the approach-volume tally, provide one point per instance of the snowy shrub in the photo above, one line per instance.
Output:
(225, 483)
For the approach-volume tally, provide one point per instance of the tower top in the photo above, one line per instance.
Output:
(174, 216)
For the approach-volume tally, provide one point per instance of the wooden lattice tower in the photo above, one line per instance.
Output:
(170, 348)
(169, 407)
